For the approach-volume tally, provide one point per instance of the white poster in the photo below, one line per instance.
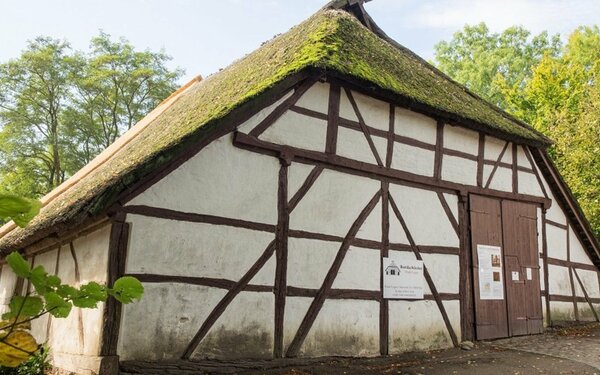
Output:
(402, 278)
(490, 272)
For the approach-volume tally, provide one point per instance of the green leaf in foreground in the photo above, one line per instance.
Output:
(127, 289)
(20, 210)
(24, 306)
(57, 306)
(18, 264)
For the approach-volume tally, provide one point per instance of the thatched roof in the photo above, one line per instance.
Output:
(332, 41)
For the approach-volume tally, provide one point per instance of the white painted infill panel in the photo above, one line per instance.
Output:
(501, 180)
(371, 228)
(461, 139)
(344, 327)
(295, 310)
(360, 269)
(244, 330)
(92, 254)
(376, 113)
(507, 157)
(333, 203)
(352, 144)
(585, 313)
(247, 126)
(452, 201)
(63, 334)
(346, 110)
(561, 311)
(297, 130)
(493, 148)
(522, 158)
(444, 269)
(556, 242)
(558, 280)
(163, 322)
(555, 212)
(424, 215)
(220, 180)
(418, 325)
(309, 261)
(413, 159)
(297, 173)
(8, 280)
(459, 170)
(316, 98)
(528, 184)
(590, 283)
(578, 253)
(169, 247)
(415, 125)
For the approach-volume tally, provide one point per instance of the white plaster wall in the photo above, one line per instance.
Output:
(459, 170)
(528, 184)
(444, 270)
(561, 311)
(220, 180)
(413, 159)
(160, 246)
(244, 330)
(522, 158)
(555, 212)
(415, 125)
(346, 110)
(418, 325)
(558, 280)
(424, 216)
(39, 326)
(578, 254)
(493, 148)
(556, 242)
(585, 313)
(371, 228)
(590, 283)
(296, 130)
(344, 327)
(247, 126)
(353, 144)
(297, 173)
(295, 310)
(163, 322)
(309, 261)
(315, 98)
(359, 270)
(8, 280)
(376, 113)
(461, 139)
(502, 179)
(331, 206)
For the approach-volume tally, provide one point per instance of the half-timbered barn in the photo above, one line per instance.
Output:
(261, 205)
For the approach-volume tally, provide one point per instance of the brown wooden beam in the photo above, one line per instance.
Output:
(535, 170)
(555, 224)
(390, 139)
(117, 255)
(515, 174)
(385, 248)
(546, 276)
(566, 263)
(448, 212)
(281, 252)
(496, 164)
(439, 147)
(363, 127)
(332, 117)
(480, 159)
(226, 300)
(376, 172)
(280, 110)
(317, 303)
(467, 315)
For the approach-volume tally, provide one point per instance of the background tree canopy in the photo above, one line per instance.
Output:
(550, 85)
(59, 107)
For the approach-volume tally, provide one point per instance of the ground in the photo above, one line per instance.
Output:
(574, 350)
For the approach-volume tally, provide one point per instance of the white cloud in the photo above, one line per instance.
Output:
(536, 15)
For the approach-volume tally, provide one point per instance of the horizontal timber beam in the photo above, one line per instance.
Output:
(570, 264)
(376, 172)
(291, 291)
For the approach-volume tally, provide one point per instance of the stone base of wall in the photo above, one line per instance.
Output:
(73, 364)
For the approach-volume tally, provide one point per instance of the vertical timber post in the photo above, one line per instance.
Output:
(385, 247)
(467, 312)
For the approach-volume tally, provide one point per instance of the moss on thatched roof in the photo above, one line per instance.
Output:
(333, 41)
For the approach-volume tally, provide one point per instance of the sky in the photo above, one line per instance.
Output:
(203, 36)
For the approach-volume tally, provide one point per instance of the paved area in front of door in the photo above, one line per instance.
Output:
(575, 350)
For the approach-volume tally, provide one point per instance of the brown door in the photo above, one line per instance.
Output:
(504, 235)
(486, 230)
(522, 276)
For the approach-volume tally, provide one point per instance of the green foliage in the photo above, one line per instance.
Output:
(20, 210)
(59, 108)
(552, 87)
(35, 365)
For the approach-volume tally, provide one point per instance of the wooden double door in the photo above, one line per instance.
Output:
(506, 273)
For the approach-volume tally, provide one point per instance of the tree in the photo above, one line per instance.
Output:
(59, 108)
(554, 89)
